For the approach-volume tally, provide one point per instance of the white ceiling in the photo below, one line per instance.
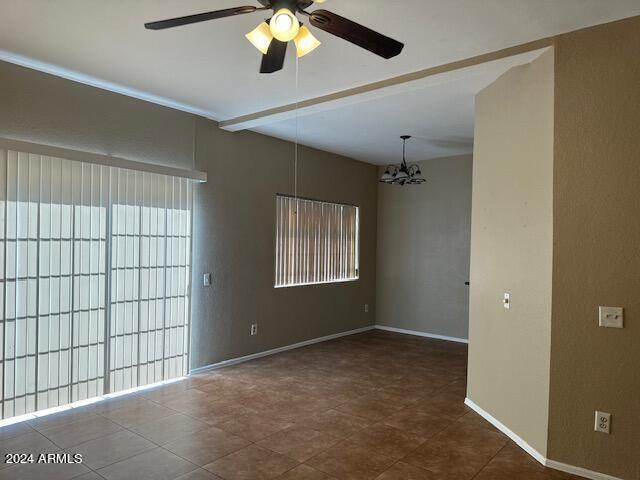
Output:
(437, 111)
(210, 68)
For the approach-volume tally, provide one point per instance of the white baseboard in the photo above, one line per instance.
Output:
(579, 471)
(504, 429)
(422, 334)
(246, 358)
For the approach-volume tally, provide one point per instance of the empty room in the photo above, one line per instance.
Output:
(319, 240)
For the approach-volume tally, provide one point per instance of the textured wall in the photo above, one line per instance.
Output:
(234, 224)
(40, 108)
(596, 257)
(234, 230)
(511, 250)
(423, 250)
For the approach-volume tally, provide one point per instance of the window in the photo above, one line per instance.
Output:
(316, 242)
(94, 280)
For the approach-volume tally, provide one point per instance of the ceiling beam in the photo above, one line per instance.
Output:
(359, 93)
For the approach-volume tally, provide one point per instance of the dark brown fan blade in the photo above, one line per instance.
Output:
(274, 59)
(355, 33)
(199, 17)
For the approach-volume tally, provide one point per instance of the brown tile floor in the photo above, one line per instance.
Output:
(377, 405)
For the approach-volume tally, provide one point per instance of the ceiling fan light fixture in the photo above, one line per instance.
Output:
(261, 37)
(305, 42)
(284, 25)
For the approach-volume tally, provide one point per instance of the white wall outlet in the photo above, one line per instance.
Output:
(612, 317)
(254, 329)
(206, 279)
(506, 301)
(603, 422)
(366, 308)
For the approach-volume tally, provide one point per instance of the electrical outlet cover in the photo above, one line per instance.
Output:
(612, 317)
(603, 422)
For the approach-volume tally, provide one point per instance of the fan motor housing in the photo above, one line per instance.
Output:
(290, 4)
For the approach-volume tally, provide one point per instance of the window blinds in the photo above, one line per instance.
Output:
(316, 242)
(94, 280)
(151, 240)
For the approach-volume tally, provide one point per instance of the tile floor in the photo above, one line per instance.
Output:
(376, 405)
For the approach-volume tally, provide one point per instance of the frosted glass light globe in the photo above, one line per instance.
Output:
(284, 25)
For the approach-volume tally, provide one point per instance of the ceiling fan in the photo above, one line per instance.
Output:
(272, 36)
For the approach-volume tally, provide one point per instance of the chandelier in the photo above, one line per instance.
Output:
(403, 174)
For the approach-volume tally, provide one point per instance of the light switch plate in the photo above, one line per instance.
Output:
(612, 317)
(603, 422)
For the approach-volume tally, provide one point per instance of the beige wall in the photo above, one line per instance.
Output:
(234, 233)
(423, 250)
(511, 250)
(597, 248)
(595, 257)
(234, 222)
(41, 108)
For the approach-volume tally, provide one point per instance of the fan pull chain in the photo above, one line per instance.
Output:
(295, 162)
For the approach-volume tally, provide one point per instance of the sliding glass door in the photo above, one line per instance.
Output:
(151, 239)
(94, 280)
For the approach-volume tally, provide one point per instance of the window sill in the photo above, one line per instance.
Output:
(346, 280)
